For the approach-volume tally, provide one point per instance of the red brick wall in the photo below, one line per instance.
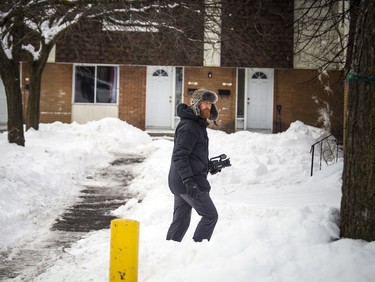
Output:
(294, 89)
(226, 104)
(56, 93)
(132, 101)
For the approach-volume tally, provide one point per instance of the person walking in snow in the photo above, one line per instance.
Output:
(189, 168)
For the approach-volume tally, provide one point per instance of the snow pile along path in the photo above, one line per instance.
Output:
(39, 180)
(276, 223)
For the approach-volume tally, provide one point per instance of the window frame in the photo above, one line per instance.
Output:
(95, 84)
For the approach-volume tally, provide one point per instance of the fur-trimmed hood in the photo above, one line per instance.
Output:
(201, 95)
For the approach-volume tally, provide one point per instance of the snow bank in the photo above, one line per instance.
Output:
(276, 223)
(37, 181)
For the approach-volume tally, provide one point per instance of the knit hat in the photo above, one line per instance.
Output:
(201, 95)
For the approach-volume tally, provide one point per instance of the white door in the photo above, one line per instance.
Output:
(3, 105)
(159, 93)
(259, 99)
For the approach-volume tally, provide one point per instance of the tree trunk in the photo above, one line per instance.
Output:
(10, 74)
(358, 190)
(36, 71)
(33, 103)
(11, 80)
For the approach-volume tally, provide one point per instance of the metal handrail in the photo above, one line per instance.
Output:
(312, 151)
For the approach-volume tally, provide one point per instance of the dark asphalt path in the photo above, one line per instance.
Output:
(101, 193)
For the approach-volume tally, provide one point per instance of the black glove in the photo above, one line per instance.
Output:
(191, 187)
(214, 171)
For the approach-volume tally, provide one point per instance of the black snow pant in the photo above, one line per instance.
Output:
(183, 205)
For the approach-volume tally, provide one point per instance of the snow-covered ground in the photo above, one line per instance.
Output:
(276, 223)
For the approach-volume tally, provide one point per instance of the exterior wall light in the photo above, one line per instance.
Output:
(192, 83)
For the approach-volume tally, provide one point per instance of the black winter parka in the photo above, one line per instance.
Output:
(190, 152)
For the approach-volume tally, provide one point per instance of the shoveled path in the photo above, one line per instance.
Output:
(101, 193)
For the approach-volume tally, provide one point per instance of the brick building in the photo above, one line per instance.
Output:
(261, 84)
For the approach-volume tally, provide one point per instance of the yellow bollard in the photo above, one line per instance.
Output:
(123, 264)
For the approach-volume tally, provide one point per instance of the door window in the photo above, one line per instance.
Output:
(178, 90)
(259, 75)
(160, 72)
(241, 93)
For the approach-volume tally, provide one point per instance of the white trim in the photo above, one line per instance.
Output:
(272, 98)
(236, 103)
(3, 106)
(246, 89)
(83, 113)
(173, 96)
(52, 55)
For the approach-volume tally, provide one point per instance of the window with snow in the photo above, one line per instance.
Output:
(96, 84)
